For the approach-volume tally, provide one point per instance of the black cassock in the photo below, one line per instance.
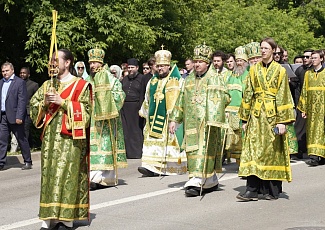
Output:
(131, 121)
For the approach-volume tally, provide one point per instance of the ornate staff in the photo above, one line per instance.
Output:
(53, 65)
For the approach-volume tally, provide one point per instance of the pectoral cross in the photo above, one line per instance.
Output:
(77, 113)
(197, 99)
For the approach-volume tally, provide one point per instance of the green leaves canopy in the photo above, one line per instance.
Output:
(138, 28)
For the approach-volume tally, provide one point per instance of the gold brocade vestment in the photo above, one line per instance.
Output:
(64, 160)
(201, 106)
(266, 102)
(312, 102)
(107, 148)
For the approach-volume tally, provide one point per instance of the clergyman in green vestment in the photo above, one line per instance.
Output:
(161, 151)
(201, 107)
(64, 114)
(107, 148)
(236, 85)
(311, 104)
(266, 109)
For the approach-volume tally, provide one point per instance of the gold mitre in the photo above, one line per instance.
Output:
(203, 52)
(96, 55)
(240, 53)
(253, 49)
(163, 57)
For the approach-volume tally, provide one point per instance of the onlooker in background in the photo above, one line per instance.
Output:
(300, 123)
(13, 102)
(116, 71)
(80, 68)
(145, 68)
(311, 104)
(153, 70)
(32, 87)
(125, 72)
(189, 66)
(278, 54)
(299, 59)
(230, 62)
(131, 121)
(285, 56)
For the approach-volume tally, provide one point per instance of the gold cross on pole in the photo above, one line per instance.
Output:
(162, 46)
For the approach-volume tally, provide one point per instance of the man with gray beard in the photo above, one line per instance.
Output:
(236, 86)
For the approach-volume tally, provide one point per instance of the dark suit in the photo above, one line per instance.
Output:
(32, 87)
(15, 108)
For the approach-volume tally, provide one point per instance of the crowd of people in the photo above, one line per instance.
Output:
(247, 106)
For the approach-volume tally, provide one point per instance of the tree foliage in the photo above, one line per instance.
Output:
(137, 28)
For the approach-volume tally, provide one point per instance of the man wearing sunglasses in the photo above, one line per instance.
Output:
(300, 124)
(278, 55)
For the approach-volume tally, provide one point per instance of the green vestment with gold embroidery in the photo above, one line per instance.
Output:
(161, 150)
(201, 107)
(266, 102)
(107, 148)
(236, 86)
(64, 161)
(312, 102)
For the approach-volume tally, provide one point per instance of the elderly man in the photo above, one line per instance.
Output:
(236, 86)
(107, 151)
(201, 106)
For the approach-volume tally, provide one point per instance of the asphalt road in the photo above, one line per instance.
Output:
(159, 203)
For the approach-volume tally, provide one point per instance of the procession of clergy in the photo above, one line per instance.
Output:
(191, 125)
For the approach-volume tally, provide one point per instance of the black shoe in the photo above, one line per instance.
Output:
(27, 166)
(147, 172)
(208, 190)
(92, 186)
(248, 196)
(192, 191)
(2, 167)
(312, 162)
(300, 155)
(269, 197)
(61, 226)
(95, 186)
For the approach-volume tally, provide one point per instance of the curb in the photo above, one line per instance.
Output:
(18, 159)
